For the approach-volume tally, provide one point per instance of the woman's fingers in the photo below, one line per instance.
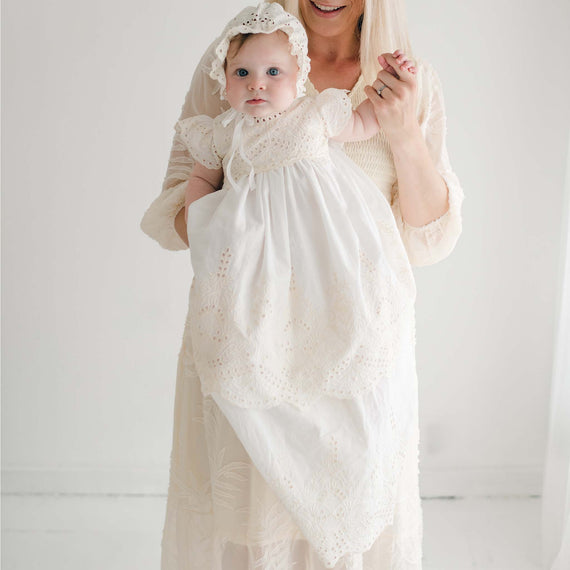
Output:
(385, 65)
(394, 95)
(389, 81)
(387, 78)
(379, 84)
(372, 93)
(400, 63)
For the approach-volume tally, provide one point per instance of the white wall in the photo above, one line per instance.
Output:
(93, 310)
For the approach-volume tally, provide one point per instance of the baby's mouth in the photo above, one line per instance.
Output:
(327, 9)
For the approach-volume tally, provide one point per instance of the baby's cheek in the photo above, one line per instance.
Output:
(292, 89)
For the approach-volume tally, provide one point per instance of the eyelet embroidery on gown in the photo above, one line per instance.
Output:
(271, 532)
(290, 351)
(267, 343)
(269, 143)
(267, 118)
(331, 513)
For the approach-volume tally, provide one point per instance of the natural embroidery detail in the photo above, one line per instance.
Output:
(278, 346)
(267, 141)
(330, 511)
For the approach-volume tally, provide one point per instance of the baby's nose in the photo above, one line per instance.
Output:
(256, 83)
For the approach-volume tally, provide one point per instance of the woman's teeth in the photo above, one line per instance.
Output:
(327, 8)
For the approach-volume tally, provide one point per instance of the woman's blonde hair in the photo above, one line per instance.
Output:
(383, 28)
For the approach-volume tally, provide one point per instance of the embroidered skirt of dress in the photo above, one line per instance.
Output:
(222, 514)
(301, 321)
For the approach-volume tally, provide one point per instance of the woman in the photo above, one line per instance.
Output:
(221, 513)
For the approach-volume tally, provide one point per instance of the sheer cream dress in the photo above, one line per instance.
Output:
(292, 487)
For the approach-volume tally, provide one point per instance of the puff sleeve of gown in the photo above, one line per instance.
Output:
(335, 109)
(201, 99)
(197, 134)
(435, 240)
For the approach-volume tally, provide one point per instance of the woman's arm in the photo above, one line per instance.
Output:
(427, 189)
(423, 192)
(202, 181)
(164, 220)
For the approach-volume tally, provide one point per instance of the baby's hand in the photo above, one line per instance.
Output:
(403, 61)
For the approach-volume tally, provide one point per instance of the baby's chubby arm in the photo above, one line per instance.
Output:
(362, 124)
(202, 181)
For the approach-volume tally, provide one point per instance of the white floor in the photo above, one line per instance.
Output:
(65, 532)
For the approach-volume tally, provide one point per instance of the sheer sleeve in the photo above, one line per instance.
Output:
(435, 240)
(201, 99)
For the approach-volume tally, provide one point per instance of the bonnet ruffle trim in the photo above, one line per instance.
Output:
(265, 18)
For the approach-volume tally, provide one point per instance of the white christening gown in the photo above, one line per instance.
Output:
(300, 318)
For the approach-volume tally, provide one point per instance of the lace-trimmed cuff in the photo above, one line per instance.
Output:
(435, 240)
(335, 108)
(197, 133)
(158, 220)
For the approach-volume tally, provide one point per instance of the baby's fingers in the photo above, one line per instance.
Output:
(408, 66)
(404, 62)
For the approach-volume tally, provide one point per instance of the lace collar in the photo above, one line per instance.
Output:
(268, 118)
(251, 120)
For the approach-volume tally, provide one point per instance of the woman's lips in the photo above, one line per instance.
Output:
(326, 13)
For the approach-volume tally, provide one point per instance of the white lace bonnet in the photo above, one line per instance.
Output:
(264, 19)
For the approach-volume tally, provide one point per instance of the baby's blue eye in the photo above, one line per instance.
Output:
(273, 71)
(241, 72)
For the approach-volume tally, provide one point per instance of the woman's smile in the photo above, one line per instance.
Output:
(332, 18)
(326, 10)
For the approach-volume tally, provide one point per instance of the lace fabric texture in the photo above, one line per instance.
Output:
(267, 143)
(336, 465)
(222, 514)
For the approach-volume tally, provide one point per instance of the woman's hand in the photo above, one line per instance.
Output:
(395, 107)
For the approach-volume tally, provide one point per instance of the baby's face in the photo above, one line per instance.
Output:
(261, 78)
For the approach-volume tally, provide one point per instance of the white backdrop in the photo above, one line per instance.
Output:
(93, 310)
